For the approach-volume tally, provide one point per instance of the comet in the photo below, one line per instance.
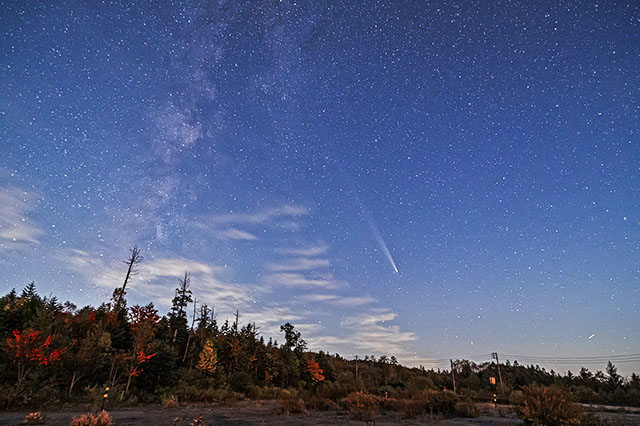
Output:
(378, 236)
(372, 224)
(383, 246)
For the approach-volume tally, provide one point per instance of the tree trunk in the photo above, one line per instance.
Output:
(126, 390)
(74, 380)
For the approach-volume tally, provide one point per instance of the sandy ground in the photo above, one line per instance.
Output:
(252, 413)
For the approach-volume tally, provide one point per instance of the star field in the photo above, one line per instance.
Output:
(293, 155)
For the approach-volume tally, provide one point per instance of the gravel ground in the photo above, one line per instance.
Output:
(250, 413)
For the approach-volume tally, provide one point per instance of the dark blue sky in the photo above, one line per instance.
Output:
(420, 179)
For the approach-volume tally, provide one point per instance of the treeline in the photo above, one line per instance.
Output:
(53, 353)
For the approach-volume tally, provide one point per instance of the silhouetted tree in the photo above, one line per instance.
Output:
(178, 315)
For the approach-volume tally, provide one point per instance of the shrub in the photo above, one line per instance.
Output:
(170, 402)
(268, 393)
(552, 405)
(363, 406)
(102, 419)
(338, 390)
(289, 403)
(226, 396)
(318, 403)
(390, 404)
(11, 397)
(410, 408)
(515, 397)
(467, 409)
(440, 402)
(241, 381)
(34, 418)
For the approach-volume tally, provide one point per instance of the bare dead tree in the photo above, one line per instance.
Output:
(132, 271)
(193, 321)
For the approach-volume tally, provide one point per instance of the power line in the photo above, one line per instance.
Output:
(627, 358)
(446, 360)
(577, 358)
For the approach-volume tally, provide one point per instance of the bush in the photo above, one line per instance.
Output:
(337, 391)
(11, 397)
(241, 381)
(102, 419)
(363, 406)
(170, 402)
(268, 393)
(34, 418)
(552, 405)
(410, 408)
(585, 394)
(390, 404)
(226, 396)
(515, 397)
(440, 402)
(289, 403)
(318, 403)
(467, 409)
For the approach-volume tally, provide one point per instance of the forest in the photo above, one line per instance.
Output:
(55, 353)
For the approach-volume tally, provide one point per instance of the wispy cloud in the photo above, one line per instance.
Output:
(236, 234)
(262, 216)
(295, 279)
(270, 318)
(91, 267)
(337, 300)
(299, 264)
(309, 251)
(175, 268)
(160, 278)
(17, 231)
(368, 332)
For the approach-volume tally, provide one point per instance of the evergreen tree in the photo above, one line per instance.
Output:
(292, 359)
(614, 380)
(178, 315)
(29, 292)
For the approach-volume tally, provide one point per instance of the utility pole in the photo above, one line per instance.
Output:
(356, 367)
(494, 355)
(453, 376)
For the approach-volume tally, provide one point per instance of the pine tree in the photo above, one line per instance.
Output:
(292, 354)
(614, 380)
(178, 314)
(29, 292)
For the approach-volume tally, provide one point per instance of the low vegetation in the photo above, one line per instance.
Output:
(101, 419)
(549, 405)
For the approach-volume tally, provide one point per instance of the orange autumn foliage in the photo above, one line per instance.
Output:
(315, 371)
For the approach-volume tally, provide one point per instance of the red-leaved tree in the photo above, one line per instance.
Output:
(27, 349)
(144, 320)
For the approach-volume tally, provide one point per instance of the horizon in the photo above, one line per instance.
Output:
(416, 180)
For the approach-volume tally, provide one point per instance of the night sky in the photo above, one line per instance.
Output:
(418, 179)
